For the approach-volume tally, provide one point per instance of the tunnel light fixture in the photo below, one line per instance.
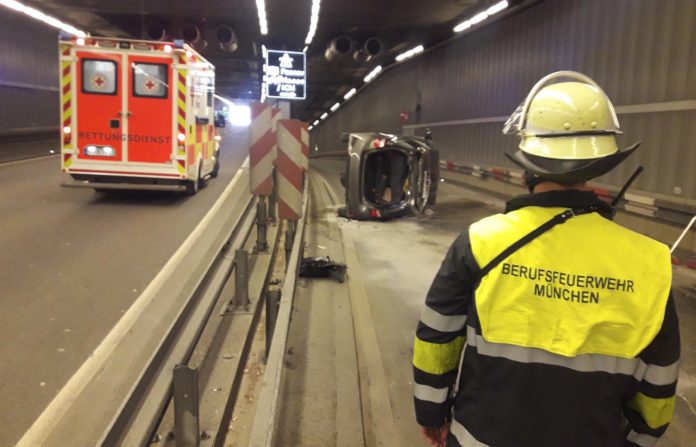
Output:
(373, 74)
(315, 123)
(324, 115)
(305, 49)
(310, 128)
(410, 53)
(462, 26)
(263, 20)
(313, 21)
(350, 94)
(497, 8)
(38, 15)
(335, 106)
(481, 16)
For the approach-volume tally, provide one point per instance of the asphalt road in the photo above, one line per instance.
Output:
(71, 262)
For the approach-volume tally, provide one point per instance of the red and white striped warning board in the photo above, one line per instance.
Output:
(292, 162)
(262, 142)
(276, 115)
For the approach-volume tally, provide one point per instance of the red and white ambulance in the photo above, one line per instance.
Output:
(137, 115)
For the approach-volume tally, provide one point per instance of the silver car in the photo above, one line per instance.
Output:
(389, 176)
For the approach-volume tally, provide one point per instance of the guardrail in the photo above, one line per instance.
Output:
(119, 393)
(267, 407)
(667, 211)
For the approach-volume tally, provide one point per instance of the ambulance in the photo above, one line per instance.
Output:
(137, 115)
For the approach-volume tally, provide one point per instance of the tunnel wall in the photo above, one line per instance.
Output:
(28, 75)
(642, 52)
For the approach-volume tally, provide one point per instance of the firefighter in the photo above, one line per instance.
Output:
(550, 325)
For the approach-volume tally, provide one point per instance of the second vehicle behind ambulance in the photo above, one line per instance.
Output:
(137, 115)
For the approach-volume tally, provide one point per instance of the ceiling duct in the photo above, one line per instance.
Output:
(191, 33)
(193, 36)
(155, 31)
(227, 38)
(372, 48)
(340, 46)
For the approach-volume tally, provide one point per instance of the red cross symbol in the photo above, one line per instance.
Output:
(98, 80)
(150, 85)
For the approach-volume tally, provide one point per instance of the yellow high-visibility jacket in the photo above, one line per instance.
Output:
(572, 340)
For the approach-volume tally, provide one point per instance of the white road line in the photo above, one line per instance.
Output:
(49, 418)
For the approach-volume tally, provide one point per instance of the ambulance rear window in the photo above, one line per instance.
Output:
(99, 77)
(150, 80)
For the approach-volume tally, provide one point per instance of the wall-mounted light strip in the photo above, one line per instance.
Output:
(350, 94)
(410, 53)
(335, 106)
(324, 116)
(481, 16)
(263, 20)
(373, 74)
(313, 21)
(315, 123)
(38, 15)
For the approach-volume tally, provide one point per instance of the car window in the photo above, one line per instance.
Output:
(150, 80)
(99, 77)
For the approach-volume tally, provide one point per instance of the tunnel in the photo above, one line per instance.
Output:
(348, 223)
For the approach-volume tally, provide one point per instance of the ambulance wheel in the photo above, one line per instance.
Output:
(216, 168)
(202, 181)
(192, 187)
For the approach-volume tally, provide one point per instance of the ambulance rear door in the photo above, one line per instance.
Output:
(99, 107)
(150, 109)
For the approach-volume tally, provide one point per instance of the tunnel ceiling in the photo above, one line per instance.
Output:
(400, 24)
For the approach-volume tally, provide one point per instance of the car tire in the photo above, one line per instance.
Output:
(216, 168)
(193, 186)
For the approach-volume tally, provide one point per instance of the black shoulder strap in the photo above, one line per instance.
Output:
(555, 220)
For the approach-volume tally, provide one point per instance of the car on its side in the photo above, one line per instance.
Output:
(389, 176)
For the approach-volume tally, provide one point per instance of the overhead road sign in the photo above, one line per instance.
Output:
(285, 74)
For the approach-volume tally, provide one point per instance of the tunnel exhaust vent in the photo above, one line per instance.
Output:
(155, 31)
(193, 36)
(372, 48)
(227, 38)
(340, 46)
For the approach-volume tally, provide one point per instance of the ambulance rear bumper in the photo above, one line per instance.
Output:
(124, 186)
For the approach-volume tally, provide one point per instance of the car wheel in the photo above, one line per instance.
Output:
(216, 168)
(193, 186)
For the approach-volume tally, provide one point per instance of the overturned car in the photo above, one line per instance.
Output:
(389, 176)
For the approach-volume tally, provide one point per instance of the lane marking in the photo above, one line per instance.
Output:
(43, 426)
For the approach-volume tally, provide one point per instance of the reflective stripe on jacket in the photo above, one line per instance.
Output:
(573, 340)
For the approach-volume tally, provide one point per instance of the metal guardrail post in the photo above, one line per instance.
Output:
(262, 224)
(241, 279)
(186, 414)
(272, 200)
(289, 240)
(272, 302)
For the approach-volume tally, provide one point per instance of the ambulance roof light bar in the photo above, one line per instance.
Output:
(38, 15)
